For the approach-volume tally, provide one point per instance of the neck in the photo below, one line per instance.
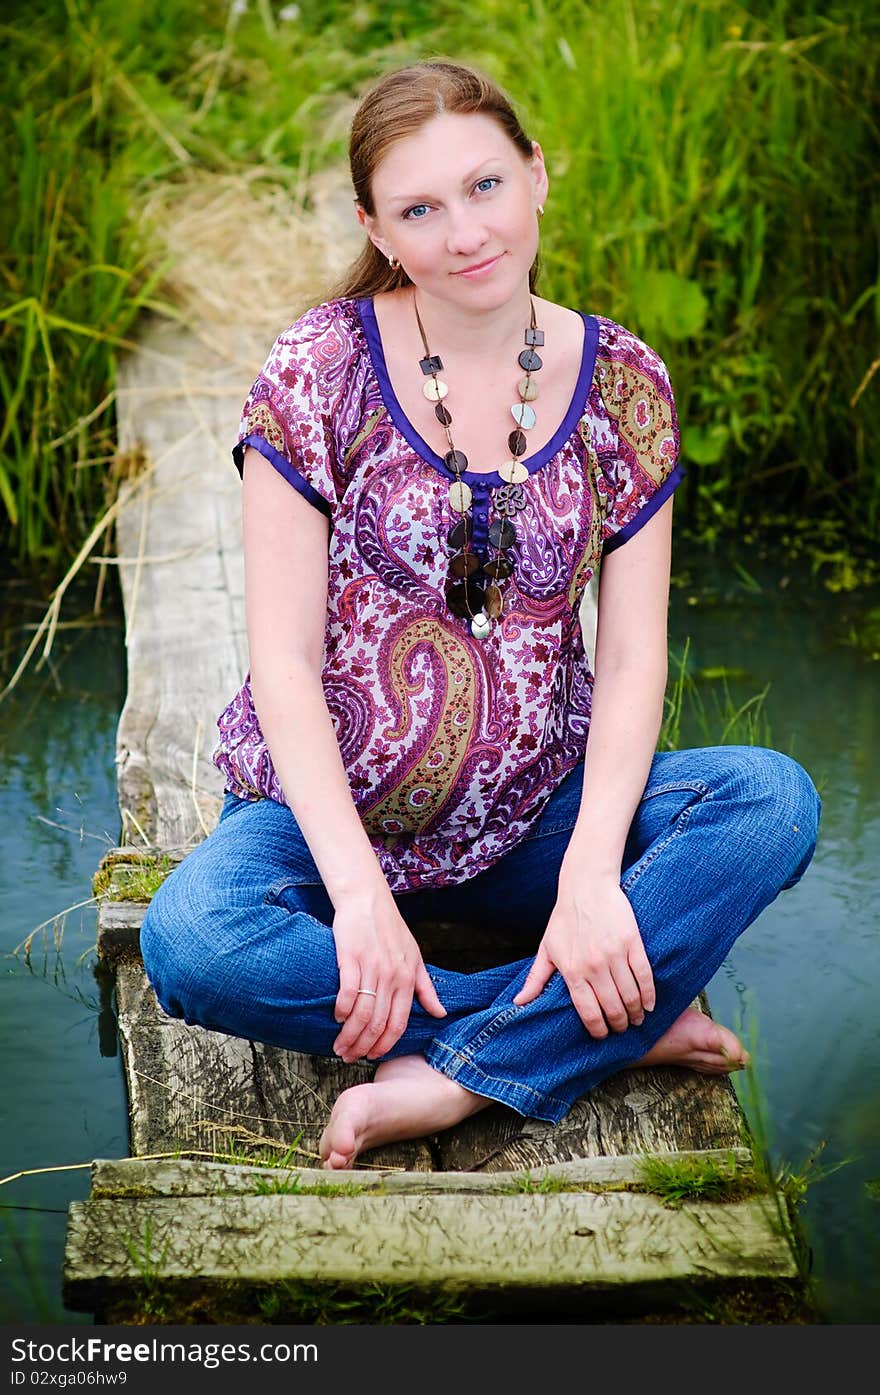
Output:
(474, 333)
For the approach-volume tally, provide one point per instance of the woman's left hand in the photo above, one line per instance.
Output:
(593, 939)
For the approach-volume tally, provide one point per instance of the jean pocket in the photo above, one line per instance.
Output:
(677, 787)
(295, 894)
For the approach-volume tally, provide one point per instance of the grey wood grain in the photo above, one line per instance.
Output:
(579, 1242)
(144, 1177)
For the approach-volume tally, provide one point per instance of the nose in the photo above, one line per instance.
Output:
(465, 231)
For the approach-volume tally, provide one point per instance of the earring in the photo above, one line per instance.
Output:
(393, 262)
(540, 210)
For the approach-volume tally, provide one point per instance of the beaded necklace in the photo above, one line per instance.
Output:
(468, 594)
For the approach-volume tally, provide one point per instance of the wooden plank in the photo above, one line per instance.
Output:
(637, 1111)
(577, 1243)
(194, 1089)
(191, 1088)
(181, 573)
(129, 1177)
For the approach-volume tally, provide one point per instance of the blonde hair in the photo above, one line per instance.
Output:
(398, 106)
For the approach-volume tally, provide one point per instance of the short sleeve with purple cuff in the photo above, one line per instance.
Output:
(638, 461)
(282, 418)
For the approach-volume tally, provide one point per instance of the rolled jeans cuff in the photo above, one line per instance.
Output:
(522, 1098)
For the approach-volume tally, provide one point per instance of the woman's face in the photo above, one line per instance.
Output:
(453, 196)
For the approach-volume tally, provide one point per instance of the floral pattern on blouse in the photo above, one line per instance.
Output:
(452, 745)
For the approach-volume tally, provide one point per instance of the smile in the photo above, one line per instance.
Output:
(481, 267)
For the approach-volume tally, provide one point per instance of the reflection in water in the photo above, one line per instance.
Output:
(803, 980)
(64, 1094)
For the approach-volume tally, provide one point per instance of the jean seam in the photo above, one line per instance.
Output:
(548, 832)
(653, 853)
(492, 1027)
(670, 787)
(673, 786)
(283, 884)
(510, 1085)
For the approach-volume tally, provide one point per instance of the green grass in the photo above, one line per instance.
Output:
(679, 1180)
(139, 882)
(714, 186)
(706, 700)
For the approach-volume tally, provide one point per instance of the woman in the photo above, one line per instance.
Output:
(435, 461)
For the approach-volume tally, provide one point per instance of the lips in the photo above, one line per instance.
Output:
(478, 266)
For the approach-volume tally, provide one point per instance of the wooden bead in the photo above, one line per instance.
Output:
(527, 388)
(463, 564)
(499, 568)
(494, 601)
(523, 415)
(460, 533)
(443, 415)
(456, 460)
(502, 533)
(464, 597)
(513, 472)
(516, 442)
(460, 496)
(530, 361)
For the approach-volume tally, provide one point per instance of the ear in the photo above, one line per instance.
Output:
(368, 223)
(540, 182)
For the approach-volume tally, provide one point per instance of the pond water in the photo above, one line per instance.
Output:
(803, 982)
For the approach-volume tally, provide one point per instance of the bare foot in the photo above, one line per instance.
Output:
(694, 1040)
(407, 1098)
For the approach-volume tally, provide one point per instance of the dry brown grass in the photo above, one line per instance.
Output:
(246, 258)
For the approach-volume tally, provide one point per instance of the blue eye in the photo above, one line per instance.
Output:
(487, 179)
(414, 209)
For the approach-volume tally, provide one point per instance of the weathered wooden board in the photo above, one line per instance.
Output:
(577, 1242)
(181, 573)
(195, 1089)
(202, 1090)
(129, 1177)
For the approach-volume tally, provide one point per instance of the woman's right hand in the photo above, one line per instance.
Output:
(375, 949)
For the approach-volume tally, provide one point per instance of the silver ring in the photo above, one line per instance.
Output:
(372, 992)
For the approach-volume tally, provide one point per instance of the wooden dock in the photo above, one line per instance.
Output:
(502, 1216)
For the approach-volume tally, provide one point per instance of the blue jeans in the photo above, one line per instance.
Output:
(238, 937)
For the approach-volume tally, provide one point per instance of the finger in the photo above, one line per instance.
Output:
(349, 982)
(427, 993)
(398, 1018)
(362, 1007)
(629, 991)
(610, 1001)
(373, 1028)
(536, 979)
(641, 969)
(587, 1007)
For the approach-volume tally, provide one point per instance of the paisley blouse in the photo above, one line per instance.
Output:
(452, 745)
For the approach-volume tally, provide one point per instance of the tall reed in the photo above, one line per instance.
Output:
(714, 173)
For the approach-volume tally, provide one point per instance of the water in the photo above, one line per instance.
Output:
(64, 1092)
(803, 980)
(806, 975)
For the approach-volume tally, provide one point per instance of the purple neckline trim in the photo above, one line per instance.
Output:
(491, 479)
